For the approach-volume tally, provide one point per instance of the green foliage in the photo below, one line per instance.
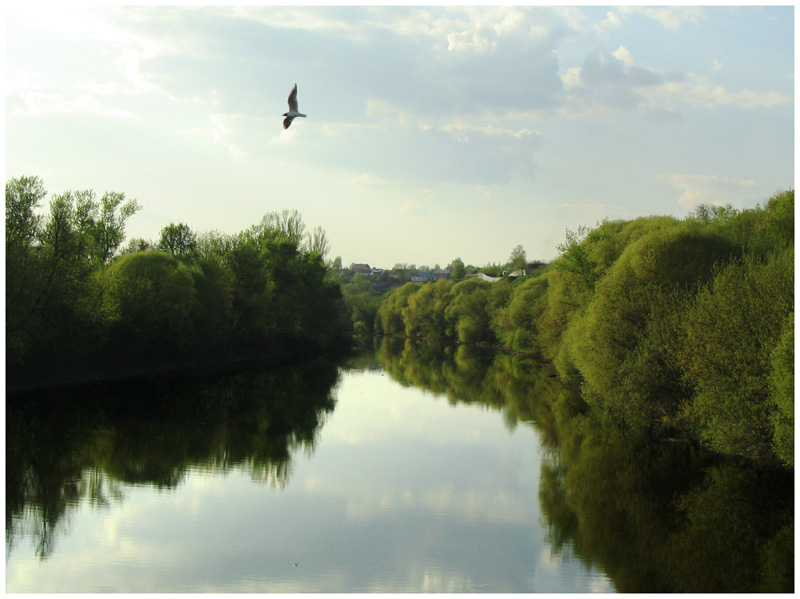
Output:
(617, 350)
(362, 302)
(23, 226)
(731, 332)
(520, 329)
(457, 270)
(23, 197)
(667, 327)
(178, 239)
(781, 381)
(197, 297)
(424, 316)
(763, 230)
(317, 242)
(468, 312)
(52, 299)
(656, 516)
(517, 260)
(150, 299)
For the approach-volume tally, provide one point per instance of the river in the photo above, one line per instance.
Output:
(405, 470)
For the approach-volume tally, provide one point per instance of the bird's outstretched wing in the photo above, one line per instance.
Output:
(287, 121)
(293, 100)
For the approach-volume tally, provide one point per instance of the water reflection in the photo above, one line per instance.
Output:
(223, 485)
(84, 446)
(656, 517)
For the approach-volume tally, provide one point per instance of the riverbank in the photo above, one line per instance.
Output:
(87, 372)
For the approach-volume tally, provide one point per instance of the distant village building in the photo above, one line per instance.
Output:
(441, 273)
(483, 277)
(362, 268)
(421, 277)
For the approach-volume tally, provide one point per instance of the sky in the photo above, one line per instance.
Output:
(432, 133)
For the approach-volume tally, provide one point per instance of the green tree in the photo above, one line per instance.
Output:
(23, 227)
(390, 313)
(457, 270)
(782, 393)
(362, 303)
(177, 239)
(150, 298)
(467, 312)
(103, 222)
(616, 347)
(730, 335)
(424, 316)
(317, 241)
(518, 259)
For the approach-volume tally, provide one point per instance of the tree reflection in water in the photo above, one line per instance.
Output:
(83, 445)
(654, 516)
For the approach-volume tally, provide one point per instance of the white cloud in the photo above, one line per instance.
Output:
(572, 77)
(612, 21)
(716, 66)
(368, 180)
(222, 133)
(624, 55)
(414, 208)
(713, 189)
(36, 104)
(700, 92)
(670, 17)
(615, 82)
(459, 131)
(572, 16)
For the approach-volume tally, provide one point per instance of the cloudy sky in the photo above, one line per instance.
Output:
(432, 133)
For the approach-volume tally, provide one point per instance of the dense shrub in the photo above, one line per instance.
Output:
(666, 326)
(730, 333)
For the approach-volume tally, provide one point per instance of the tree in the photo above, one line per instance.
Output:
(467, 312)
(781, 381)
(150, 299)
(457, 270)
(729, 338)
(103, 222)
(618, 345)
(517, 260)
(362, 303)
(23, 228)
(177, 239)
(23, 196)
(287, 224)
(317, 241)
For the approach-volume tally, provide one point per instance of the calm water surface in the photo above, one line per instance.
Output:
(414, 468)
(394, 489)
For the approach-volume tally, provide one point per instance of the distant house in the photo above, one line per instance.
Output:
(441, 273)
(483, 277)
(421, 277)
(362, 268)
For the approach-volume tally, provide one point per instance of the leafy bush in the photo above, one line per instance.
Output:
(730, 334)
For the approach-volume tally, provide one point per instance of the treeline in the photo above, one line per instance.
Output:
(76, 303)
(666, 326)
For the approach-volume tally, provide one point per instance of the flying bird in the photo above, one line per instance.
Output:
(293, 112)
